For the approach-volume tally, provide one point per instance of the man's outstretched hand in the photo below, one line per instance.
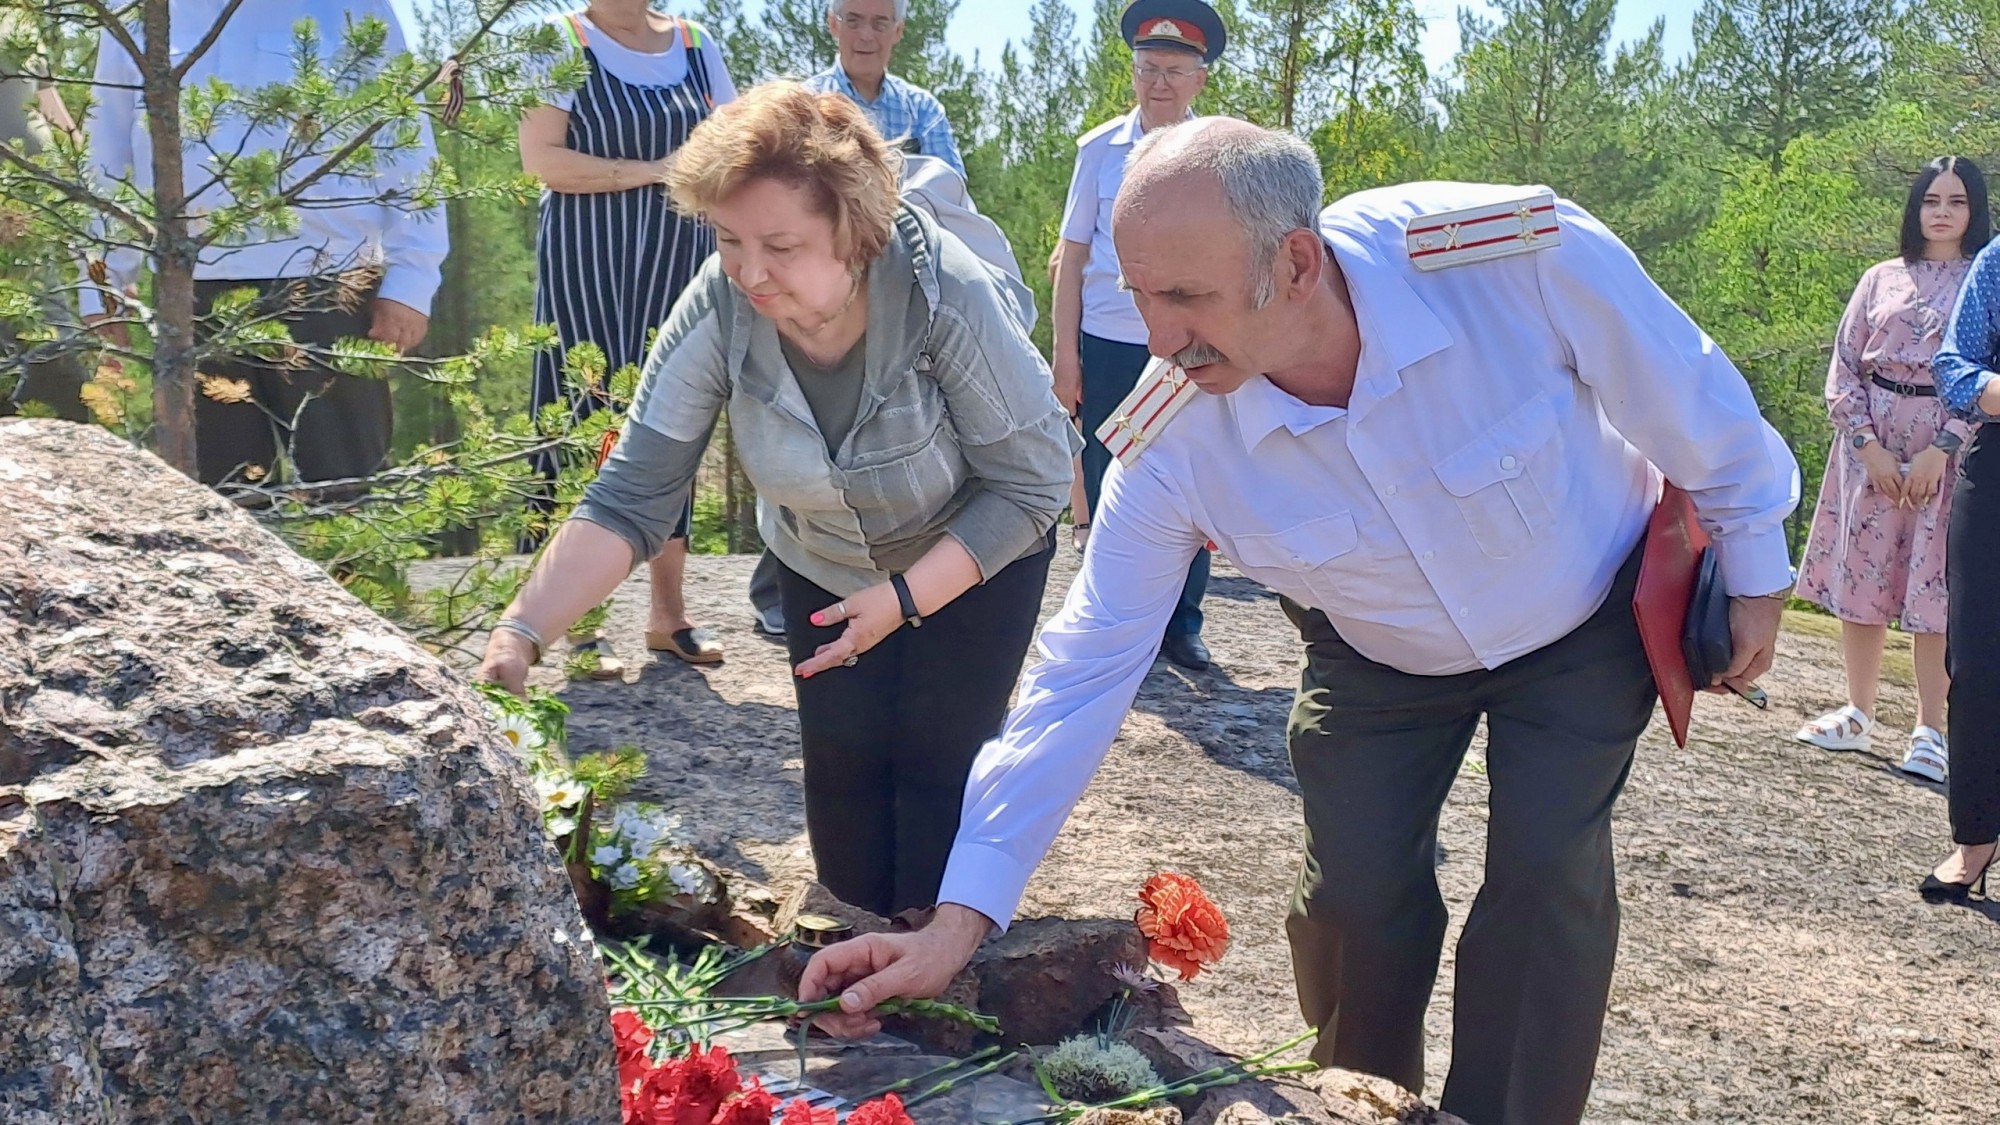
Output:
(870, 969)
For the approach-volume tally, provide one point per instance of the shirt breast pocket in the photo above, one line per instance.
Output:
(1300, 550)
(1509, 481)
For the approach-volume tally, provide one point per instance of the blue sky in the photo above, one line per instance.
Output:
(983, 25)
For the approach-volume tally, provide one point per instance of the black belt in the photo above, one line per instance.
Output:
(1914, 390)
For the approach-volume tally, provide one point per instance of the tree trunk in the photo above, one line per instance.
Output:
(173, 253)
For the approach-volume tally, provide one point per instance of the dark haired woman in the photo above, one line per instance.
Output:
(1876, 555)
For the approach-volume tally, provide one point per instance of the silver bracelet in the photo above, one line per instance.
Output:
(516, 625)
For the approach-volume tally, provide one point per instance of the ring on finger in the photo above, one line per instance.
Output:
(850, 662)
(842, 607)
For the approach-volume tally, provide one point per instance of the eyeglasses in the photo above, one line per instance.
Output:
(1173, 74)
(880, 25)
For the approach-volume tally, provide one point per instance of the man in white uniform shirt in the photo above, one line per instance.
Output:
(1446, 473)
(330, 426)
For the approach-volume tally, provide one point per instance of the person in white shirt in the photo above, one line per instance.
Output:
(1446, 473)
(330, 426)
(1098, 336)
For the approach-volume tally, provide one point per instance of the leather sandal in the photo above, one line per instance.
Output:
(608, 666)
(1844, 728)
(1928, 757)
(696, 646)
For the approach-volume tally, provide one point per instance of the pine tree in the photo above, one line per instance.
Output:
(1766, 72)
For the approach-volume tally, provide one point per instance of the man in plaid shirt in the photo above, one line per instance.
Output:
(867, 31)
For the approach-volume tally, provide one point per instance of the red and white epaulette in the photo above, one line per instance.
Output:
(1162, 390)
(1481, 234)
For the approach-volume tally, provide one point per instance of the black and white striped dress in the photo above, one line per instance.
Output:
(610, 264)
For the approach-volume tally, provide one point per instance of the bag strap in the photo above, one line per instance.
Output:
(577, 38)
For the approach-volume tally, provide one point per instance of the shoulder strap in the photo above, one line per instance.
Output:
(697, 62)
(574, 23)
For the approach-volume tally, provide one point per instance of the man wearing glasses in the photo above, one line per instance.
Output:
(866, 33)
(1100, 342)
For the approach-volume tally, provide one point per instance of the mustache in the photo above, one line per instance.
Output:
(1198, 355)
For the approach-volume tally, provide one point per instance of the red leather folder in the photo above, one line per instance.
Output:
(1674, 543)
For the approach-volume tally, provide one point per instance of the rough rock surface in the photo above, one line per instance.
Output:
(1044, 979)
(261, 858)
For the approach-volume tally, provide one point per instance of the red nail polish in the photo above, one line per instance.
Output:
(819, 619)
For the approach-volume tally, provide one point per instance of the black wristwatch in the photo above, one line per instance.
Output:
(1947, 441)
(907, 603)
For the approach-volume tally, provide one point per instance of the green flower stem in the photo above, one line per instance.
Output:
(973, 1075)
(1228, 1074)
(753, 1008)
(903, 1084)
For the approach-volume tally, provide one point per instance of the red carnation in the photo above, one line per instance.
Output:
(886, 1110)
(632, 1037)
(800, 1112)
(685, 1091)
(754, 1106)
(1184, 930)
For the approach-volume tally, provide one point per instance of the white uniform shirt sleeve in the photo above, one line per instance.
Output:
(110, 139)
(414, 242)
(1079, 218)
(1094, 653)
(1671, 392)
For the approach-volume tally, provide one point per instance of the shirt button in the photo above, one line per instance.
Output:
(1508, 463)
(1429, 555)
(1389, 491)
(1464, 612)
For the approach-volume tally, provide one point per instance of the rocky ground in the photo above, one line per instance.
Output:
(1777, 964)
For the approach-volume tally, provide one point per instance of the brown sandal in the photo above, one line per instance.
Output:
(696, 646)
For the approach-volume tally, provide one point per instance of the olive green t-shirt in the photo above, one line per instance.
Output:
(834, 393)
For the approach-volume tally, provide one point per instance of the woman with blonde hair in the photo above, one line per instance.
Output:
(911, 454)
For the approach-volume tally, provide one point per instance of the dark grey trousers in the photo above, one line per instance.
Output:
(1376, 751)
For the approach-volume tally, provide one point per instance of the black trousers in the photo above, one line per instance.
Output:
(888, 743)
(331, 426)
(1972, 644)
(1376, 751)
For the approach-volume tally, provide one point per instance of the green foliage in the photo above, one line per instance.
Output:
(1756, 179)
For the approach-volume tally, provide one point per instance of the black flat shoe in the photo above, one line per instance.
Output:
(1186, 650)
(1936, 890)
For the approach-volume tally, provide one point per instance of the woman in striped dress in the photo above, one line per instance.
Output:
(611, 254)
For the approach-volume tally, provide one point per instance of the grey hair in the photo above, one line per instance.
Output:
(833, 8)
(1270, 179)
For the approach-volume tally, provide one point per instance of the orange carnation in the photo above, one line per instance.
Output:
(1184, 930)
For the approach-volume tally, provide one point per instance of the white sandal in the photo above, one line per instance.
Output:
(1843, 729)
(1928, 758)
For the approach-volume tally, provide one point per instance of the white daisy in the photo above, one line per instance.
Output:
(559, 791)
(520, 733)
(560, 825)
(625, 877)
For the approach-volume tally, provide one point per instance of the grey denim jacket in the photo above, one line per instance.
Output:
(958, 432)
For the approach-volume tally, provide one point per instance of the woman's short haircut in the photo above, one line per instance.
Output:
(822, 143)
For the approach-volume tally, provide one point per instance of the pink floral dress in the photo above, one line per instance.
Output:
(1868, 561)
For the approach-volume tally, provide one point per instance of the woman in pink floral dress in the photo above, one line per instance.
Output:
(1877, 550)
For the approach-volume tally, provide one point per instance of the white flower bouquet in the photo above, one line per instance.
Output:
(628, 852)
